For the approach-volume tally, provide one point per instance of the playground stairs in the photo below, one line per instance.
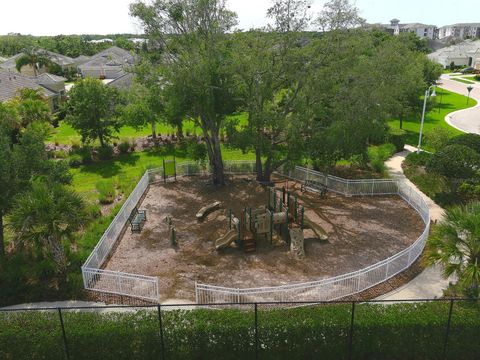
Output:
(249, 243)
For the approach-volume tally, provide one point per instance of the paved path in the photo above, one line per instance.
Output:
(467, 120)
(430, 283)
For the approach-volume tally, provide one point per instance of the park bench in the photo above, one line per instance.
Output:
(137, 218)
(316, 186)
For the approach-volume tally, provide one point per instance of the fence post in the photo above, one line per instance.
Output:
(447, 333)
(160, 324)
(256, 331)
(350, 334)
(65, 344)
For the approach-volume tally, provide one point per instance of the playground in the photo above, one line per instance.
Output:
(183, 241)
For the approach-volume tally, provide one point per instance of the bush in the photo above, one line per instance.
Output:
(59, 154)
(86, 154)
(455, 162)
(378, 155)
(197, 151)
(76, 145)
(397, 331)
(106, 191)
(75, 160)
(438, 138)
(417, 159)
(397, 137)
(105, 152)
(469, 140)
(123, 147)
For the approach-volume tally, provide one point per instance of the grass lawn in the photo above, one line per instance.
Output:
(463, 80)
(447, 102)
(128, 168)
(471, 78)
(65, 134)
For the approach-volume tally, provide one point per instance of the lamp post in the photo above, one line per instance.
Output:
(427, 95)
(469, 88)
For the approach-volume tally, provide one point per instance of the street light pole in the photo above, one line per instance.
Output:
(427, 95)
(469, 88)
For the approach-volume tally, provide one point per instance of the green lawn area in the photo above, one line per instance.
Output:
(65, 134)
(471, 78)
(128, 168)
(447, 102)
(463, 80)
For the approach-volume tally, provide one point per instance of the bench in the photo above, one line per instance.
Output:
(137, 218)
(315, 185)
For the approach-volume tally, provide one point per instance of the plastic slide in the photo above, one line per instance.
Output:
(226, 239)
(317, 229)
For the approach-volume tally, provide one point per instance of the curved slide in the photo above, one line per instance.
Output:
(317, 229)
(226, 239)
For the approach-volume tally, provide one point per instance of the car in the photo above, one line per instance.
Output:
(467, 70)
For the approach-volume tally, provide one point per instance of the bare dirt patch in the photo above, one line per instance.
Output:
(361, 230)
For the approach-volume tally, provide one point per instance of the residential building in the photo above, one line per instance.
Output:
(108, 64)
(466, 53)
(421, 30)
(460, 31)
(51, 86)
(65, 63)
(123, 82)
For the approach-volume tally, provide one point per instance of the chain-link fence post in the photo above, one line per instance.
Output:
(64, 336)
(350, 333)
(160, 325)
(447, 332)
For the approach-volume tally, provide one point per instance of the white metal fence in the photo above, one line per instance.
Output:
(343, 285)
(147, 287)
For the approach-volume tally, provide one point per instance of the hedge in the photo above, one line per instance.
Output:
(398, 331)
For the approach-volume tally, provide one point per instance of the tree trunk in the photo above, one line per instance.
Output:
(258, 164)
(154, 130)
(401, 122)
(217, 162)
(180, 130)
(59, 257)
(2, 244)
(100, 138)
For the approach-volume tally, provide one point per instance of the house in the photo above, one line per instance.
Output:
(421, 30)
(80, 60)
(123, 82)
(66, 63)
(108, 64)
(460, 31)
(51, 86)
(466, 53)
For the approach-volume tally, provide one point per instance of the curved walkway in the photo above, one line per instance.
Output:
(430, 283)
(467, 120)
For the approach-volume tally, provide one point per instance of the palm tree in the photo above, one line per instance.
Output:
(44, 217)
(455, 244)
(33, 57)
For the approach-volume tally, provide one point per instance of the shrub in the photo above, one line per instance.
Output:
(106, 191)
(124, 147)
(105, 152)
(437, 138)
(397, 331)
(76, 145)
(197, 151)
(455, 161)
(86, 153)
(469, 140)
(60, 154)
(417, 159)
(75, 160)
(379, 154)
(397, 137)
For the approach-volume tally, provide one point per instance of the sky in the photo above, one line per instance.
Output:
(54, 17)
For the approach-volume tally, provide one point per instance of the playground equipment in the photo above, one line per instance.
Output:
(226, 239)
(172, 232)
(297, 243)
(317, 229)
(207, 209)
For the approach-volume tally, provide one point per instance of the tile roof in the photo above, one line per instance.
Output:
(111, 57)
(11, 63)
(11, 83)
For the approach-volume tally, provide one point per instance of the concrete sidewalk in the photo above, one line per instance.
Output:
(430, 283)
(467, 120)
